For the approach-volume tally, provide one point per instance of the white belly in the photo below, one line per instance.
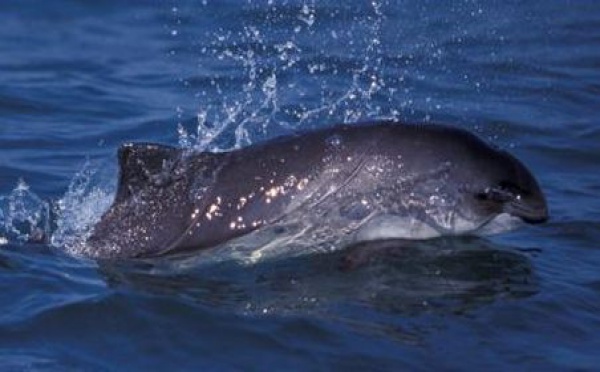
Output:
(405, 227)
(395, 227)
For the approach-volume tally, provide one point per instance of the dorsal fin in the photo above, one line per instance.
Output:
(144, 164)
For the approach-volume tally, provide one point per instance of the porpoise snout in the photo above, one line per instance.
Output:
(531, 209)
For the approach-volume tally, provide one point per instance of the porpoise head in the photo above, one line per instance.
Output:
(498, 186)
(448, 181)
(516, 192)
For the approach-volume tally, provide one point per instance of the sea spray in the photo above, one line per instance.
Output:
(24, 216)
(87, 197)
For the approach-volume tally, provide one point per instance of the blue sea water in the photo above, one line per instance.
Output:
(81, 77)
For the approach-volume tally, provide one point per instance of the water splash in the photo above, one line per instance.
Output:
(64, 223)
(24, 216)
(265, 103)
(80, 208)
(283, 81)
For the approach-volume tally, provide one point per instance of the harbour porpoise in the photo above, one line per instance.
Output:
(384, 179)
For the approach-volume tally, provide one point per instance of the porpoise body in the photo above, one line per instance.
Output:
(386, 179)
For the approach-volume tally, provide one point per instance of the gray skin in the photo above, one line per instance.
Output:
(444, 179)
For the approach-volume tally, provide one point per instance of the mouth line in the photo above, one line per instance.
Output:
(529, 214)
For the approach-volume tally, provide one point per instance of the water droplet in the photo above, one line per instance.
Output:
(335, 140)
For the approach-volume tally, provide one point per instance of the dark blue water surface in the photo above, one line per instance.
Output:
(78, 78)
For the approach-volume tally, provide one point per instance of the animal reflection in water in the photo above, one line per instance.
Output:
(442, 275)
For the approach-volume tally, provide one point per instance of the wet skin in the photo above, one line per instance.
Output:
(399, 180)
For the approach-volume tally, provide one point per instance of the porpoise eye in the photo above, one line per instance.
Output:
(504, 191)
(512, 188)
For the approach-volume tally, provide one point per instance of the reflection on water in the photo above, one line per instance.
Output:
(446, 275)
